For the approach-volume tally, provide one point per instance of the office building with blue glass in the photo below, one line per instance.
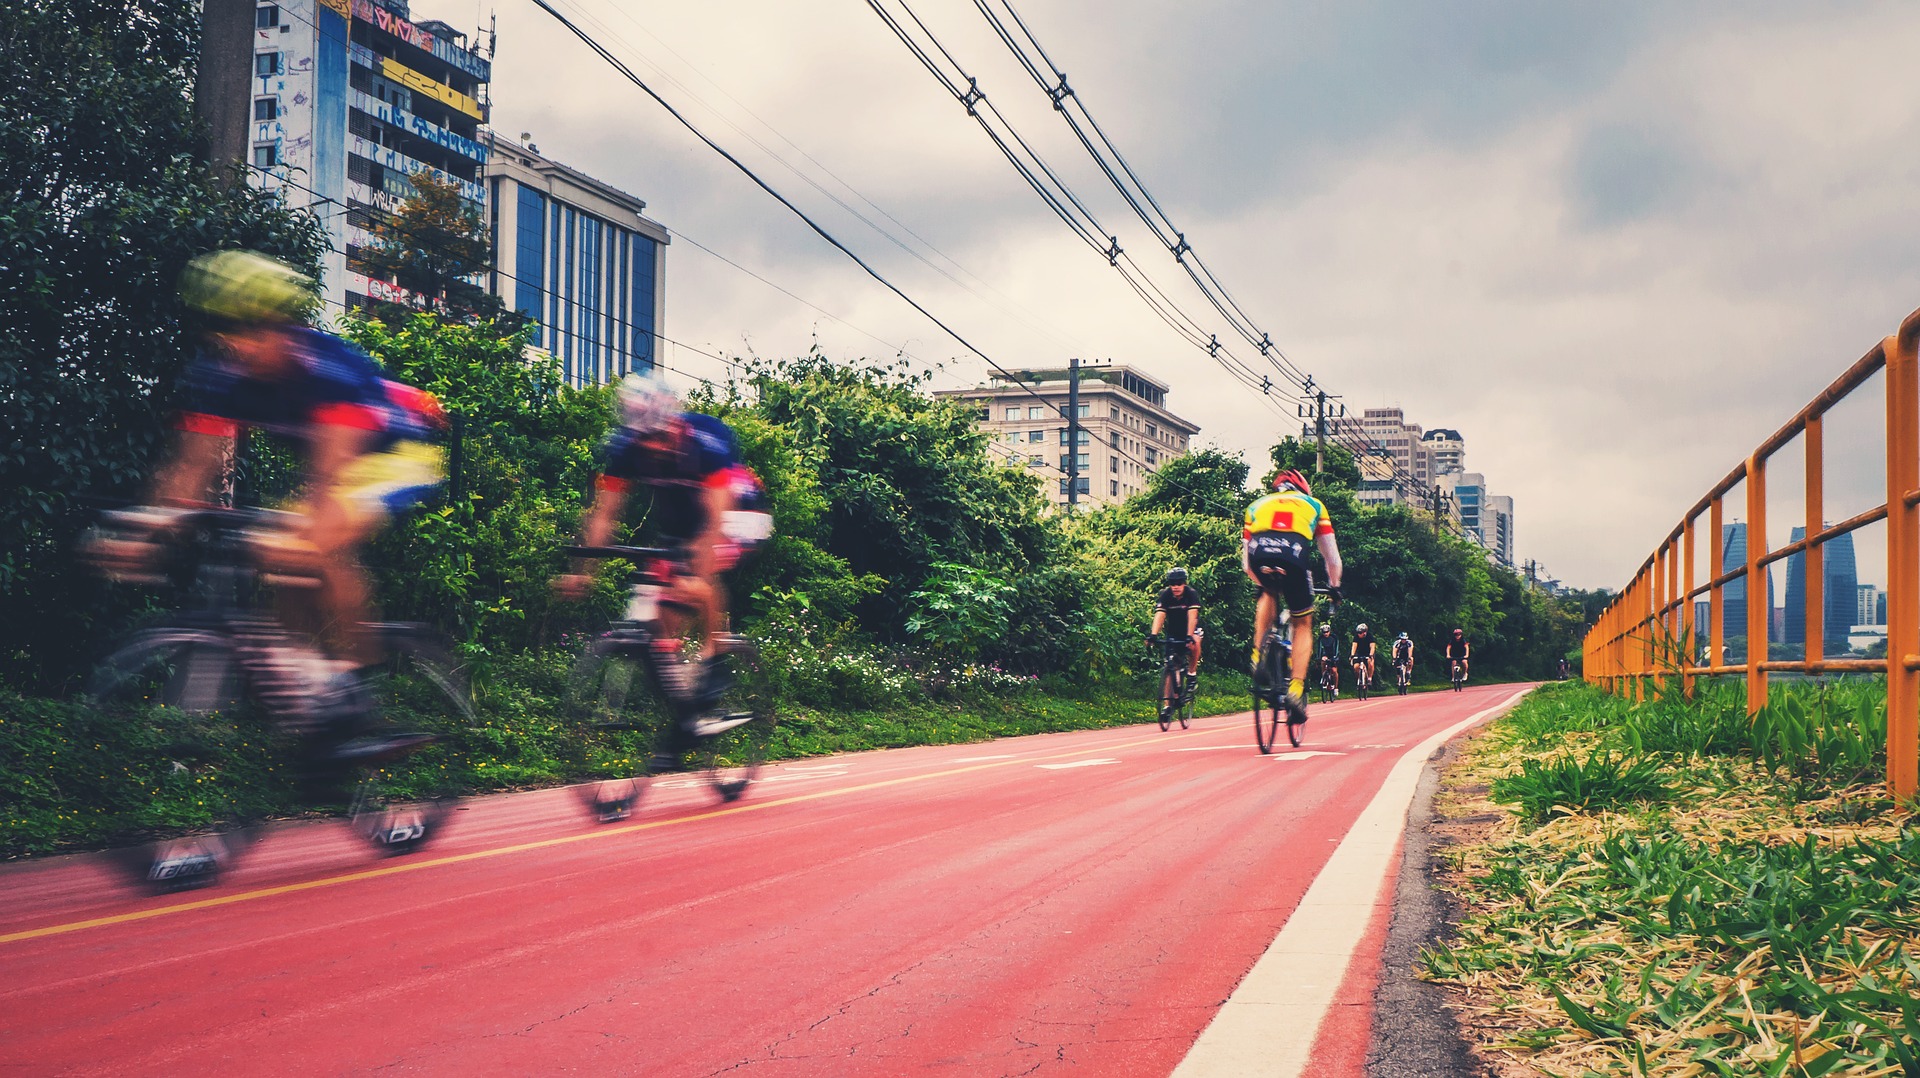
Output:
(577, 257)
(1839, 599)
(1733, 594)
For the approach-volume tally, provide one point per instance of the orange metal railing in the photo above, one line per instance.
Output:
(1643, 638)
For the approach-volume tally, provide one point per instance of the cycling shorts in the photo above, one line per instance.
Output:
(1279, 563)
(387, 483)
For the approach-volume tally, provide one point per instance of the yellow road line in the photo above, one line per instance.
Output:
(501, 851)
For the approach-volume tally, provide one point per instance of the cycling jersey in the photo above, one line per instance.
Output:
(707, 458)
(329, 383)
(1288, 512)
(1456, 649)
(1365, 646)
(1402, 648)
(1176, 607)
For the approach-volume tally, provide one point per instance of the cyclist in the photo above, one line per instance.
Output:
(1178, 601)
(707, 505)
(1458, 649)
(362, 439)
(1403, 654)
(1277, 531)
(1364, 650)
(1326, 656)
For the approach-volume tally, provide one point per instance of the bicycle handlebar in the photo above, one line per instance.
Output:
(631, 553)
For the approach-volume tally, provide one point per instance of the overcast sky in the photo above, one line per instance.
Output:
(1615, 245)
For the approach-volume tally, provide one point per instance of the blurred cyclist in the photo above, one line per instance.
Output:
(1278, 529)
(1403, 653)
(1458, 650)
(707, 505)
(361, 438)
(1326, 654)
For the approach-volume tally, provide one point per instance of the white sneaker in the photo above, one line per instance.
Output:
(709, 725)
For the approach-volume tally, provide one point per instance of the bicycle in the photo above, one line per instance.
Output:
(633, 706)
(1361, 682)
(1403, 676)
(1329, 679)
(1176, 684)
(221, 677)
(1459, 674)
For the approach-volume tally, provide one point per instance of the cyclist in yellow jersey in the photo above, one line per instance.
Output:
(1273, 550)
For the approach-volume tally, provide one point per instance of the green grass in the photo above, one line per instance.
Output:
(1708, 895)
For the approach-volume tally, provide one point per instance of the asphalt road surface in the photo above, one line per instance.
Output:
(1083, 902)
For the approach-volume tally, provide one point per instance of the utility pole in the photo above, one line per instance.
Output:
(1073, 434)
(1316, 410)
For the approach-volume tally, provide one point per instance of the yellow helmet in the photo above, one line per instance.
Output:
(247, 286)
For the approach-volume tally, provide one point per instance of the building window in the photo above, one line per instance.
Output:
(266, 16)
(266, 156)
(1113, 464)
(1113, 487)
(1114, 411)
(530, 241)
(1114, 439)
(1152, 457)
(266, 108)
(1013, 413)
(1035, 411)
(267, 63)
(1036, 461)
(1084, 410)
(1085, 486)
(1036, 436)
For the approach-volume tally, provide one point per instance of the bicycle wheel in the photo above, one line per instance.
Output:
(1170, 688)
(199, 769)
(614, 718)
(409, 781)
(1266, 725)
(1187, 690)
(732, 757)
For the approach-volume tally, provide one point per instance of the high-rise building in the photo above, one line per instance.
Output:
(577, 257)
(1733, 594)
(1496, 527)
(351, 100)
(1839, 593)
(1869, 606)
(1446, 450)
(1126, 432)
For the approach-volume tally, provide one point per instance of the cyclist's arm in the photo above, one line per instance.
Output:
(1330, 553)
(1159, 620)
(187, 478)
(331, 447)
(1193, 620)
(718, 498)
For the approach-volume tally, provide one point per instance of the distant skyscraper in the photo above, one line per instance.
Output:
(1733, 596)
(1838, 601)
(1868, 605)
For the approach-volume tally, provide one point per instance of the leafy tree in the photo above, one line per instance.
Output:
(430, 246)
(1207, 482)
(103, 201)
(960, 610)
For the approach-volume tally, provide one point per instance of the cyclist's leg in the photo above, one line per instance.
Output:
(1264, 611)
(1193, 662)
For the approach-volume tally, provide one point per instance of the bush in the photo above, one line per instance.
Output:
(1602, 780)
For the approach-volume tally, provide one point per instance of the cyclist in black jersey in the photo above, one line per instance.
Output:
(1179, 603)
(1457, 648)
(1365, 649)
(1326, 648)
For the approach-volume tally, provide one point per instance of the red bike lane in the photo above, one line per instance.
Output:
(1082, 900)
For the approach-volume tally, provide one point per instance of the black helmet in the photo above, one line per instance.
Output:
(1176, 576)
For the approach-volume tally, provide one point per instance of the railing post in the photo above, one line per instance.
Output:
(1903, 568)
(1689, 634)
(1759, 603)
(1813, 566)
(1716, 602)
(1656, 611)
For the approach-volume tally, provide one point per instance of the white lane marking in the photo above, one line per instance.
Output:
(977, 759)
(1269, 1025)
(1399, 745)
(1076, 763)
(1208, 748)
(1306, 754)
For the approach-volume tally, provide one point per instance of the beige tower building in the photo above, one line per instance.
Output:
(1126, 431)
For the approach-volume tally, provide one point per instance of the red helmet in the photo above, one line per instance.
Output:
(1290, 477)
